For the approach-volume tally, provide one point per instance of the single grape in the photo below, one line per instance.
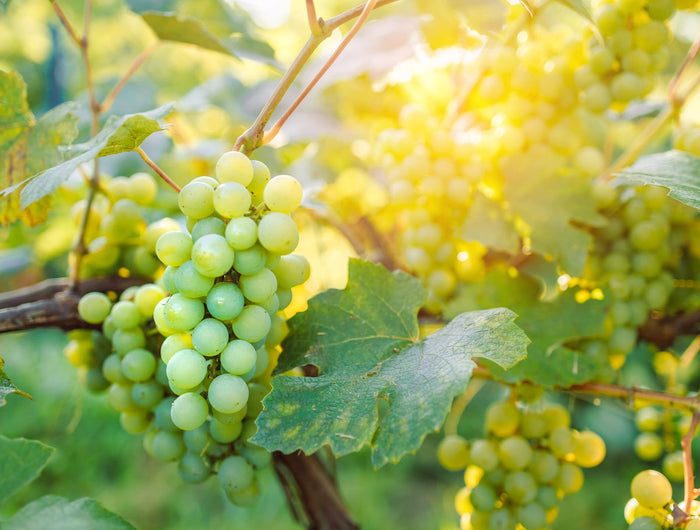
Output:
(225, 300)
(139, 365)
(246, 497)
(235, 474)
(589, 450)
(210, 337)
(224, 433)
(483, 498)
(234, 166)
(259, 286)
(241, 233)
(173, 248)
(162, 418)
(252, 324)
(182, 313)
(187, 369)
(173, 344)
(520, 486)
(94, 307)
(147, 394)
(261, 176)
(125, 340)
(292, 270)
(250, 260)
(120, 399)
(502, 418)
(283, 194)
(193, 468)
(197, 440)
(208, 225)
(228, 393)
(190, 282)
(278, 233)
(189, 411)
(147, 297)
(196, 200)
(238, 357)
(212, 256)
(142, 188)
(232, 200)
(648, 446)
(515, 452)
(168, 446)
(484, 453)
(453, 452)
(570, 478)
(135, 421)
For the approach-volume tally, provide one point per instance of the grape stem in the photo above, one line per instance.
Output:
(686, 445)
(157, 169)
(458, 406)
(254, 137)
(315, 23)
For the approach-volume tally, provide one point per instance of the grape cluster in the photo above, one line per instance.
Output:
(117, 235)
(652, 508)
(189, 361)
(518, 473)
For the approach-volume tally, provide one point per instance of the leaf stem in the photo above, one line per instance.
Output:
(157, 169)
(138, 62)
(688, 476)
(315, 23)
(459, 404)
(253, 137)
(66, 23)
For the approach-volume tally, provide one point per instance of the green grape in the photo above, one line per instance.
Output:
(533, 425)
(196, 200)
(520, 487)
(626, 86)
(502, 418)
(570, 478)
(231, 200)
(256, 187)
(648, 446)
(168, 279)
(259, 286)
(210, 337)
(108, 328)
(673, 466)
(234, 417)
(589, 450)
(173, 248)
(250, 260)
(94, 307)
(161, 413)
(182, 313)
(253, 324)
(645, 523)
(125, 340)
(484, 453)
(646, 264)
(278, 330)
(147, 297)
(168, 446)
(192, 468)
(189, 411)
(284, 296)
(224, 432)
(197, 440)
(95, 381)
(147, 394)
(515, 453)
(562, 442)
(139, 365)
(292, 270)
(112, 370)
(225, 300)
(173, 344)
(501, 519)
(282, 194)
(256, 456)
(155, 230)
(212, 256)
(271, 305)
(135, 421)
(187, 369)
(532, 516)
(227, 393)
(246, 497)
(234, 166)
(159, 319)
(235, 474)
(238, 357)
(208, 225)
(162, 374)
(547, 497)
(119, 398)
(190, 283)
(483, 498)
(278, 233)
(544, 466)
(241, 233)
(142, 188)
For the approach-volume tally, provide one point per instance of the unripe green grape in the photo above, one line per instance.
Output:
(125, 340)
(256, 456)
(155, 230)
(94, 307)
(241, 233)
(561, 442)
(520, 487)
(660, 9)
(189, 411)
(259, 286)
(224, 433)
(622, 340)
(626, 86)
(126, 213)
(228, 393)
(502, 418)
(256, 394)
(283, 194)
(250, 260)
(532, 424)
(79, 353)
(135, 421)
(657, 295)
(168, 279)
(483, 498)
(256, 187)
(142, 188)
(532, 516)
(168, 446)
(232, 200)
(544, 466)
(207, 180)
(246, 497)
(234, 417)
(278, 331)
(162, 418)
(112, 369)
(210, 337)
(292, 270)
(190, 282)
(225, 301)
(125, 315)
(174, 248)
(285, 298)
(270, 304)
(651, 489)
(673, 466)
(173, 344)
(608, 19)
(162, 325)
(108, 328)
(95, 381)
(196, 200)
(589, 450)
(547, 497)
(187, 369)
(119, 398)
(253, 324)
(208, 225)
(501, 519)
(646, 264)
(212, 256)
(182, 313)
(238, 357)
(271, 259)
(278, 233)
(192, 468)
(139, 365)
(645, 523)
(234, 166)
(453, 452)
(147, 394)
(515, 452)
(235, 474)
(147, 297)
(484, 453)
(570, 478)
(648, 446)
(197, 440)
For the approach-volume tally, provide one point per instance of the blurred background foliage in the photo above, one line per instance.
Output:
(217, 99)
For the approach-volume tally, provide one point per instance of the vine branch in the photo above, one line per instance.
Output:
(686, 445)
(157, 169)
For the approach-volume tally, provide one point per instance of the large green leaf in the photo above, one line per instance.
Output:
(184, 29)
(7, 386)
(58, 513)
(550, 324)
(486, 223)
(119, 134)
(550, 203)
(676, 170)
(365, 341)
(15, 116)
(21, 461)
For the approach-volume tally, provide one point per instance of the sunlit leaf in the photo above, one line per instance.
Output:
(21, 461)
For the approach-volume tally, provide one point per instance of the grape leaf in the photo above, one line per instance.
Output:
(58, 513)
(487, 224)
(549, 203)
(545, 272)
(7, 386)
(28, 147)
(21, 461)
(549, 324)
(119, 134)
(365, 341)
(677, 171)
(187, 30)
